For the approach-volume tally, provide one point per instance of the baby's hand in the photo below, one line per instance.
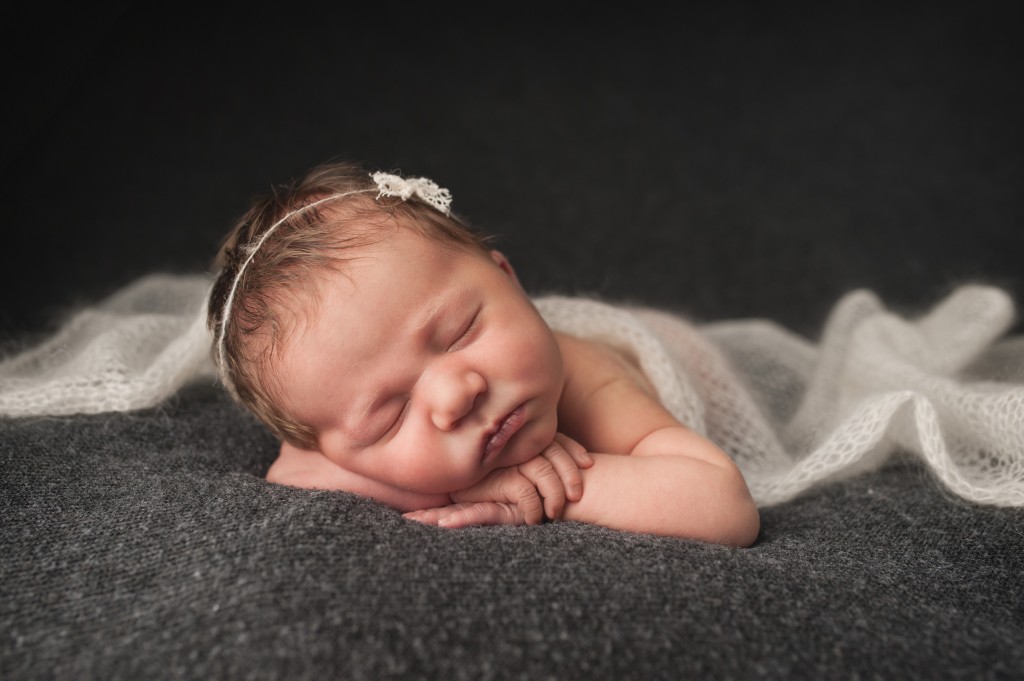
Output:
(517, 495)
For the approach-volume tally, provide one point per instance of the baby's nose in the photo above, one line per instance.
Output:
(454, 397)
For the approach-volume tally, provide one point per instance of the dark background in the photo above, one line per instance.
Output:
(806, 150)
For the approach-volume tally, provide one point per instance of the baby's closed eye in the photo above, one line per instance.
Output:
(468, 333)
(396, 422)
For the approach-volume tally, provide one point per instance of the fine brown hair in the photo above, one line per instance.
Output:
(305, 246)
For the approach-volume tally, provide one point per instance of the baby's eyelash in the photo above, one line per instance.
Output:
(396, 423)
(467, 334)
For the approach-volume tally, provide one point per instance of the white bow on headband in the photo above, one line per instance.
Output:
(427, 190)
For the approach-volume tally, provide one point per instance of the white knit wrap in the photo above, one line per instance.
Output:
(792, 413)
(131, 351)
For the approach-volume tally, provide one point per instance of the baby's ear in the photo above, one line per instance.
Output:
(499, 258)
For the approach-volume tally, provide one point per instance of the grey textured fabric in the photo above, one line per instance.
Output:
(147, 546)
(728, 162)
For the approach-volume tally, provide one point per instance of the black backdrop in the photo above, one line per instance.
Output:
(800, 152)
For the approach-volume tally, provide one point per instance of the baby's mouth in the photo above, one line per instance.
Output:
(498, 436)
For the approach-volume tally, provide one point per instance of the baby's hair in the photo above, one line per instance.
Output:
(281, 246)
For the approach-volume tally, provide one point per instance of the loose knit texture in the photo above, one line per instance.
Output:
(131, 351)
(793, 415)
(945, 387)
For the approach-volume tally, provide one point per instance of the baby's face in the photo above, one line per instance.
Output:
(422, 366)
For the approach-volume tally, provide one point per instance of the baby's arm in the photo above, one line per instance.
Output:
(672, 481)
(662, 489)
(515, 495)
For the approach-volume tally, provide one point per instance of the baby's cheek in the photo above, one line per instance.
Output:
(421, 467)
(536, 356)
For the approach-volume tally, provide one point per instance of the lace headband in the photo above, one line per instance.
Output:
(386, 185)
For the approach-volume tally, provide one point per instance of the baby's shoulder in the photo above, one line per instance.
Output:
(608, 404)
(591, 363)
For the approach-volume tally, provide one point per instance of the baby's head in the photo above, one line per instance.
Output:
(286, 244)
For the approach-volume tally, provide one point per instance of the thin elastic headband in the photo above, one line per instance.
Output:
(386, 184)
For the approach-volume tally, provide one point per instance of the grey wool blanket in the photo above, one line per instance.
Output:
(146, 545)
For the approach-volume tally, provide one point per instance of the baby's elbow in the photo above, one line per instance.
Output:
(743, 526)
(721, 511)
(736, 520)
(740, 518)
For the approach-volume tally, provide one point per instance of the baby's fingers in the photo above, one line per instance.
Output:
(543, 475)
(512, 488)
(431, 516)
(467, 514)
(567, 457)
(482, 513)
(577, 451)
